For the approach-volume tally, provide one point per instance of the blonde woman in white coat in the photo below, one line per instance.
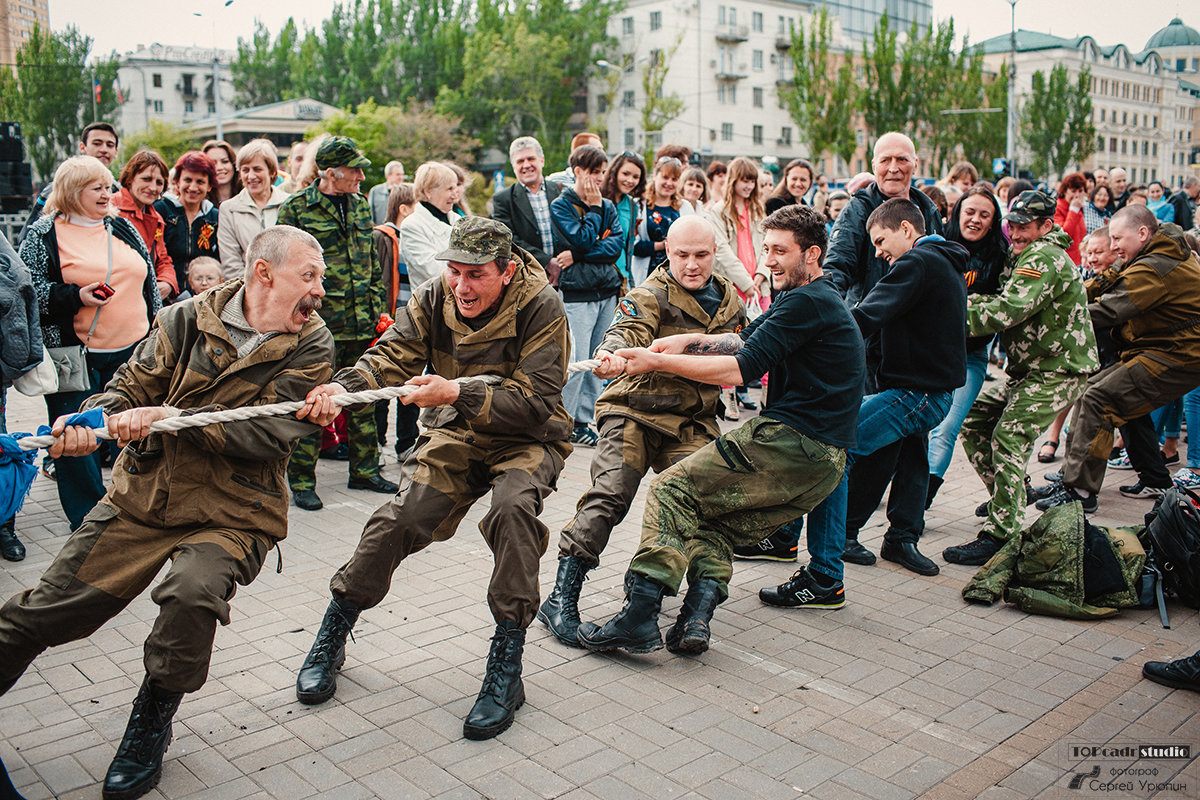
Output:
(252, 210)
(426, 231)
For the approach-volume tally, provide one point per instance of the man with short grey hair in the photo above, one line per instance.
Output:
(393, 175)
(524, 207)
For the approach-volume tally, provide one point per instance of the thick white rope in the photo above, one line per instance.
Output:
(179, 422)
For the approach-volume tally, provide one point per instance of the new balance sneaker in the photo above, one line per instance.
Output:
(1186, 479)
(585, 435)
(1140, 489)
(974, 553)
(1120, 462)
(1065, 494)
(802, 590)
(776, 547)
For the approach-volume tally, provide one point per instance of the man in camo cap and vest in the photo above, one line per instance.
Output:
(486, 348)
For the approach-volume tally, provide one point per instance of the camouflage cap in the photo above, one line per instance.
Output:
(1029, 206)
(478, 240)
(340, 151)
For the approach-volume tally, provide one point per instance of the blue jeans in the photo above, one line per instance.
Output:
(1168, 420)
(883, 418)
(943, 437)
(1191, 412)
(588, 321)
(80, 483)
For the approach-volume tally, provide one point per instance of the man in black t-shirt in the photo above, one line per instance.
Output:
(774, 468)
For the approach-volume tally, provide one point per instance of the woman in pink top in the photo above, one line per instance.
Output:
(86, 299)
(143, 179)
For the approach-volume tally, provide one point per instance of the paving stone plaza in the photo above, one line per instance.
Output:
(906, 692)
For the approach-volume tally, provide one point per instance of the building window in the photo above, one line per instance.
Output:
(782, 26)
(726, 131)
(212, 108)
(758, 97)
(1100, 144)
(785, 136)
(733, 94)
(720, 15)
(627, 99)
(1102, 115)
(656, 59)
(756, 59)
(601, 103)
(655, 20)
(1124, 117)
(1154, 149)
(653, 141)
(1124, 146)
(1145, 148)
(188, 106)
(756, 22)
(722, 93)
(627, 26)
(156, 80)
(628, 138)
(757, 134)
(158, 106)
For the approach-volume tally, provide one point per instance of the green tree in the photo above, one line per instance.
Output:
(659, 109)
(262, 68)
(1056, 121)
(52, 94)
(890, 71)
(822, 94)
(411, 135)
(169, 141)
(983, 135)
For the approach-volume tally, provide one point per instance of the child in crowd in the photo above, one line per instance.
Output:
(203, 273)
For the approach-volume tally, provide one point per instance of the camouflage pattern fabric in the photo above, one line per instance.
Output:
(733, 491)
(354, 290)
(1000, 432)
(361, 434)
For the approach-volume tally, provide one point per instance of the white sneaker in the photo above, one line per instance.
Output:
(1120, 462)
(1186, 479)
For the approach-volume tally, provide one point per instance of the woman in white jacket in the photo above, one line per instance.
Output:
(426, 231)
(252, 210)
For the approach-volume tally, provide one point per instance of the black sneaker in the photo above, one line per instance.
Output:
(1182, 673)
(1065, 494)
(1054, 477)
(775, 547)
(1046, 491)
(975, 553)
(585, 435)
(981, 510)
(1140, 489)
(803, 591)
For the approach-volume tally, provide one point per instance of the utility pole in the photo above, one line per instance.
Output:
(1010, 136)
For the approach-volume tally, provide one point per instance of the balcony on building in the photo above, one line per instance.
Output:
(732, 33)
(783, 42)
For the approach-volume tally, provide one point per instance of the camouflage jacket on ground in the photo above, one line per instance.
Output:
(1153, 303)
(661, 307)
(511, 370)
(220, 476)
(1042, 570)
(1041, 312)
(354, 291)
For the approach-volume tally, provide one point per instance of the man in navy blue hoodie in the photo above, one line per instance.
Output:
(919, 308)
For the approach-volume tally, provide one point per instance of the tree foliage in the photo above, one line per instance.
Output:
(1056, 120)
(821, 95)
(262, 69)
(658, 109)
(411, 135)
(169, 141)
(51, 94)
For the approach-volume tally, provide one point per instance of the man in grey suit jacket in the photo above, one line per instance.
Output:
(393, 175)
(524, 207)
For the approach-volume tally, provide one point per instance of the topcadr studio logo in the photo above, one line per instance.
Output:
(1136, 776)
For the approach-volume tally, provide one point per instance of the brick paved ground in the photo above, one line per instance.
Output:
(905, 692)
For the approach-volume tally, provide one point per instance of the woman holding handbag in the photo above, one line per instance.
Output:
(97, 294)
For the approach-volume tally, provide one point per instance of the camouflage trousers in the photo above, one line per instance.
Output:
(1122, 392)
(110, 560)
(361, 434)
(1000, 432)
(626, 451)
(444, 477)
(733, 491)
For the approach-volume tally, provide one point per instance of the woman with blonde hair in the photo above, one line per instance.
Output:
(461, 206)
(426, 231)
(252, 210)
(96, 287)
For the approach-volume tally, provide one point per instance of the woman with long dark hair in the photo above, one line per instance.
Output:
(624, 184)
(797, 180)
(975, 224)
(663, 207)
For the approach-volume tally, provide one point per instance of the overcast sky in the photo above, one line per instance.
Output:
(123, 25)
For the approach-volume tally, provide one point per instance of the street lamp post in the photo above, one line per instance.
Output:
(620, 85)
(216, 74)
(1010, 136)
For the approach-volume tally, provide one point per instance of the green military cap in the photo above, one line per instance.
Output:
(1029, 206)
(478, 240)
(340, 151)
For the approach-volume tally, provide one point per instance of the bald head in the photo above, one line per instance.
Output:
(691, 247)
(894, 162)
(1118, 180)
(1130, 229)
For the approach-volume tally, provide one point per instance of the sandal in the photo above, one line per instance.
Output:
(1046, 457)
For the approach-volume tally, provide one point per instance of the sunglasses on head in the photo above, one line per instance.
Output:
(669, 160)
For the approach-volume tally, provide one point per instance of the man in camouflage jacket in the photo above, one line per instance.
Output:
(646, 421)
(1152, 306)
(208, 501)
(333, 211)
(1042, 319)
(492, 335)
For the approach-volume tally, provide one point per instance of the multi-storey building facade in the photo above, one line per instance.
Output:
(17, 19)
(172, 85)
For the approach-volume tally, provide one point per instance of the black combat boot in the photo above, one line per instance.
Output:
(502, 692)
(138, 764)
(690, 632)
(1182, 673)
(11, 548)
(318, 675)
(560, 612)
(635, 627)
